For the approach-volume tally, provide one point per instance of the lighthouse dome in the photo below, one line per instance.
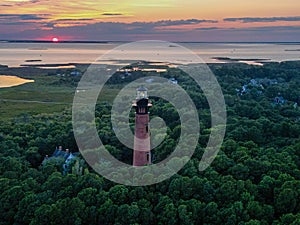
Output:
(142, 92)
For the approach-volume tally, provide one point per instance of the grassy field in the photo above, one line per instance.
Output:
(46, 95)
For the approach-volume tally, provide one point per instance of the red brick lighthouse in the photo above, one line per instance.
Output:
(141, 149)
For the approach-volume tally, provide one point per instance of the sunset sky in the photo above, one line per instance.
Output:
(171, 20)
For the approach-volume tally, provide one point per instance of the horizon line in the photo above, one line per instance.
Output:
(106, 42)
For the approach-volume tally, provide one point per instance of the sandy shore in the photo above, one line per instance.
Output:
(10, 81)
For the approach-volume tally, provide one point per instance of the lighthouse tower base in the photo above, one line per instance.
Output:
(141, 153)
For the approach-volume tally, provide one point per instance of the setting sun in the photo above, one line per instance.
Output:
(55, 40)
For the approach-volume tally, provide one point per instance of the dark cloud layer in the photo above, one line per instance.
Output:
(21, 17)
(75, 20)
(138, 27)
(263, 19)
(208, 28)
(175, 22)
(170, 30)
(112, 14)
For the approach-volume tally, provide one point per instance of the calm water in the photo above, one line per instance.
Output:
(16, 54)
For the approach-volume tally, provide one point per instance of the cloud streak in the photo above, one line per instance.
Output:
(262, 19)
(208, 28)
(167, 23)
(22, 17)
(112, 14)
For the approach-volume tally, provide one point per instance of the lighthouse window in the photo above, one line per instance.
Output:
(148, 156)
(147, 128)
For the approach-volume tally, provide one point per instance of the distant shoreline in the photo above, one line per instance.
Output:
(219, 60)
(42, 41)
(108, 42)
(12, 81)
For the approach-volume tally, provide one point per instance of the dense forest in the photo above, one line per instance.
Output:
(255, 179)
